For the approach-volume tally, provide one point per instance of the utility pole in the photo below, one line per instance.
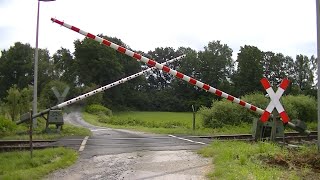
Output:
(318, 71)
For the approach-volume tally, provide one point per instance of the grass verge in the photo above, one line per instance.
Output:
(19, 165)
(242, 160)
(166, 123)
(21, 132)
(161, 122)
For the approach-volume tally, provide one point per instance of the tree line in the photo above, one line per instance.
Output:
(92, 65)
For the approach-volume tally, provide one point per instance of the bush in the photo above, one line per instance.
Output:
(301, 107)
(98, 109)
(6, 126)
(257, 99)
(226, 113)
(103, 118)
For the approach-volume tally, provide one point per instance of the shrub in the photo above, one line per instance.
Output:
(13, 102)
(98, 110)
(226, 113)
(6, 126)
(103, 118)
(300, 107)
(256, 99)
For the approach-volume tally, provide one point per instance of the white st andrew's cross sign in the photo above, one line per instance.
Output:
(275, 103)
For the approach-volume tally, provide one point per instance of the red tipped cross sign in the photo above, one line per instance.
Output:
(275, 103)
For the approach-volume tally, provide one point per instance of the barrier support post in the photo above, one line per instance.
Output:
(274, 126)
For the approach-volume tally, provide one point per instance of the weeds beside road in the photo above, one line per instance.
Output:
(163, 123)
(261, 160)
(19, 165)
(21, 132)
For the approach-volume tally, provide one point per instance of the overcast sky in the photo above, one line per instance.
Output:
(286, 26)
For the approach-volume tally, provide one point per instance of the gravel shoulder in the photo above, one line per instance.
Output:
(146, 164)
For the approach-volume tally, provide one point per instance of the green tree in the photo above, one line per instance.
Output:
(25, 102)
(216, 65)
(186, 94)
(45, 69)
(16, 67)
(160, 80)
(96, 63)
(303, 74)
(13, 102)
(64, 66)
(250, 70)
(100, 65)
(276, 67)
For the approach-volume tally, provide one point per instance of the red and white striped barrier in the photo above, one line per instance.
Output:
(275, 103)
(161, 67)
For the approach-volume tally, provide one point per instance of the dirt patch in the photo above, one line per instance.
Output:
(169, 165)
(298, 162)
(140, 165)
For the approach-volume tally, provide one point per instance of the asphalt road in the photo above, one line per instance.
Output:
(123, 154)
(115, 141)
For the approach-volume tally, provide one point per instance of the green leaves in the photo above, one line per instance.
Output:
(250, 70)
(18, 101)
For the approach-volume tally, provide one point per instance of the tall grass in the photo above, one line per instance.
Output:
(19, 165)
(22, 131)
(241, 160)
(162, 122)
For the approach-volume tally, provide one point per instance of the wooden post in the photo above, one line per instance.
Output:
(194, 119)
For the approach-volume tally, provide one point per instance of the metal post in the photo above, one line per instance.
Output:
(35, 78)
(194, 119)
(318, 71)
(274, 126)
(30, 134)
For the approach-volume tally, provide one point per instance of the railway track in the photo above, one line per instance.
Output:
(12, 145)
(248, 137)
